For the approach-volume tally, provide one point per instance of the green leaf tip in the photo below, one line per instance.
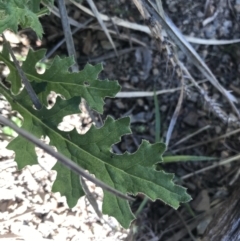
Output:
(135, 173)
(24, 13)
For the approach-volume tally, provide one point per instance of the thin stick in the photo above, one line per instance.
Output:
(67, 33)
(161, 41)
(174, 117)
(160, 8)
(97, 15)
(51, 51)
(140, 94)
(186, 226)
(208, 141)
(142, 28)
(64, 160)
(55, 11)
(180, 41)
(191, 135)
(92, 200)
(25, 81)
(221, 163)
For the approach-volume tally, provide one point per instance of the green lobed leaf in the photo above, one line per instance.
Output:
(85, 83)
(10, 132)
(128, 173)
(44, 123)
(13, 76)
(23, 13)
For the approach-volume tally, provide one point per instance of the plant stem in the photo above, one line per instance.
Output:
(22, 75)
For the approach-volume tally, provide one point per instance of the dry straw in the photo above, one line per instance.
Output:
(162, 27)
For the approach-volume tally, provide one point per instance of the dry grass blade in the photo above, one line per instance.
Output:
(227, 135)
(189, 230)
(175, 116)
(164, 45)
(182, 232)
(180, 41)
(67, 33)
(142, 28)
(191, 135)
(139, 94)
(160, 8)
(122, 36)
(92, 200)
(117, 21)
(98, 16)
(210, 41)
(212, 105)
(151, 14)
(51, 51)
(55, 11)
(221, 163)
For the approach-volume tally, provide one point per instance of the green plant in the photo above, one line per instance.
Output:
(127, 173)
(10, 132)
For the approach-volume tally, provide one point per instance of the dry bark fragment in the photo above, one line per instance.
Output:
(225, 226)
